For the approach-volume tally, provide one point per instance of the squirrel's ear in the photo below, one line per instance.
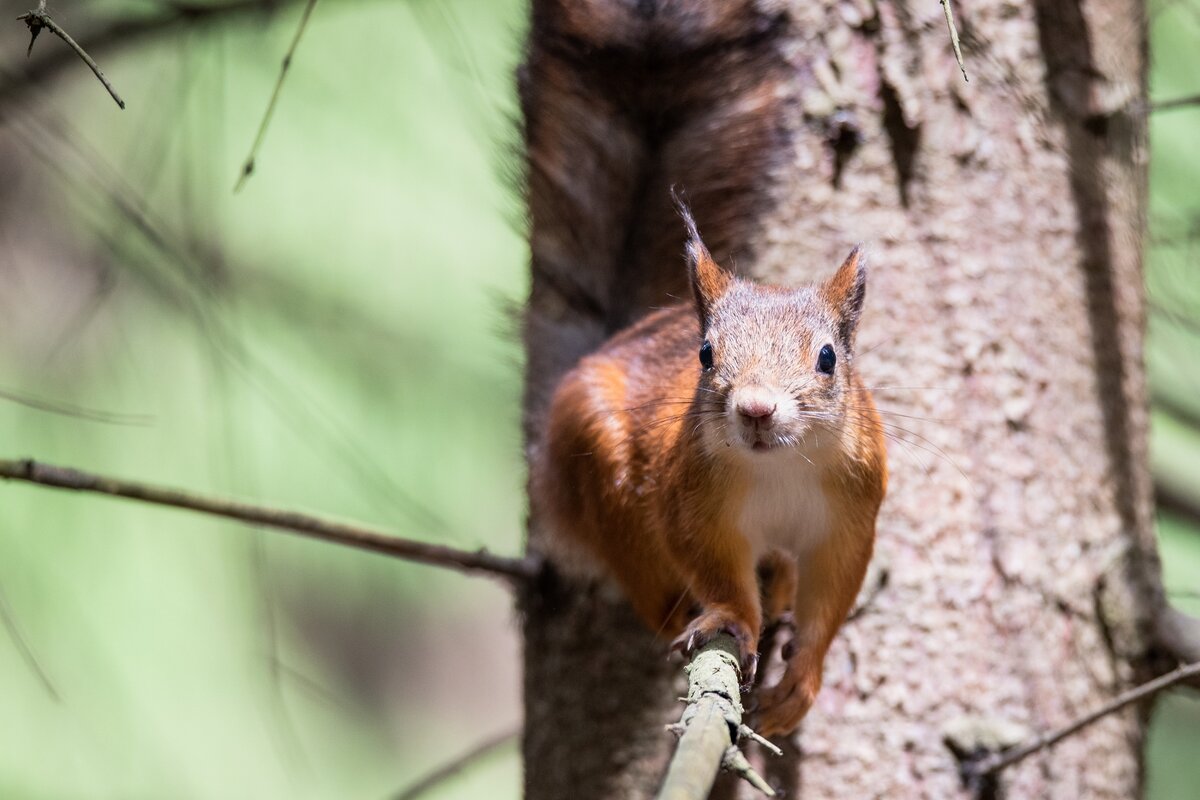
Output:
(708, 279)
(846, 291)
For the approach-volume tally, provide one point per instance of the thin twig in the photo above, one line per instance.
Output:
(26, 651)
(71, 410)
(343, 533)
(1173, 103)
(248, 167)
(1178, 633)
(1175, 501)
(747, 731)
(954, 37)
(714, 710)
(38, 19)
(1178, 410)
(998, 761)
(451, 768)
(126, 32)
(736, 762)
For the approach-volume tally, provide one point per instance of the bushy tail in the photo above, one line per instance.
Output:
(622, 100)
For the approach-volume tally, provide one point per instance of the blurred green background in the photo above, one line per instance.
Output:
(336, 336)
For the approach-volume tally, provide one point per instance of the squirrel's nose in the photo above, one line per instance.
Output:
(755, 406)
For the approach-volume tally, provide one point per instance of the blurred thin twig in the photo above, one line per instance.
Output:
(1177, 318)
(1176, 409)
(248, 166)
(70, 410)
(456, 765)
(1174, 103)
(26, 651)
(1170, 498)
(38, 19)
(343, 533)
(127, 31)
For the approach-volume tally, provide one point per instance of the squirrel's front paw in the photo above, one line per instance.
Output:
(781, 707)
(701, 630)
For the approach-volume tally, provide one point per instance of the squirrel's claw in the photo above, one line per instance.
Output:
(705, 627)
(749, 670)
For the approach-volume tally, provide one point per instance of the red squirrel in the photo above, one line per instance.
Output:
(715, 441)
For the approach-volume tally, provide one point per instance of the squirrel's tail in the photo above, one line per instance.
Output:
(623, 100)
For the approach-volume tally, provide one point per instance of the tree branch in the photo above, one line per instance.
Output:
(451, 768)
(1178, 318)
(954, 37)
(1174, 631)
(1175, 102)
(343, 533)
(38, 19)
(1179, 634)
(248, 165)
(125, 32)
(1168, 498)
(710, 726)
(998, 761)
(1176, 409)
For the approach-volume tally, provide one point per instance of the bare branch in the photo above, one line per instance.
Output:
(1173, 103)
(708, 725)
(125, 32)
(38, 19)
(1174, 631)
(774, 749)
(954, 37)
(1183, 321)
(343, 533)
(736, 762)
(248, 166)
(1178, 633)
(23, 647)
(71, 410)
(998, 761)
(1176, 409)
(451, 768)
(1168, 498)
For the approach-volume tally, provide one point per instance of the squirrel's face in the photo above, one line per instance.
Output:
(774, 369)
(774, 363)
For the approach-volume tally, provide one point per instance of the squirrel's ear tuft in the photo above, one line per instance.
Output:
(708, 279)
(847, 290)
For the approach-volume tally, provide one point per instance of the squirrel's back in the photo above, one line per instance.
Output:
(611, 431)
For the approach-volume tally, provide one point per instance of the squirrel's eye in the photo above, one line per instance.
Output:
(706, 358)
(826, 360)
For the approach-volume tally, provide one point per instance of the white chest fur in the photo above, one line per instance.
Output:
(785, 506)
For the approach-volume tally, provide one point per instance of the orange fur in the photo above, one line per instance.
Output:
(778, 578)
(654, 466)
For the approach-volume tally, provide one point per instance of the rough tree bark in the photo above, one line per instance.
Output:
(1004, 330)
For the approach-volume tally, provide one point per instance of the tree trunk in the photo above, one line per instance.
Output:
(1003, 331)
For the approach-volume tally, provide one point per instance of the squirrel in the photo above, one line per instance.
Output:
(717, 442)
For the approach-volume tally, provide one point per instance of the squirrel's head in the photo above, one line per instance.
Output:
(774, 363)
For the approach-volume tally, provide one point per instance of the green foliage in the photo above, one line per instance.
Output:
(1174, 297)
(333, 337)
